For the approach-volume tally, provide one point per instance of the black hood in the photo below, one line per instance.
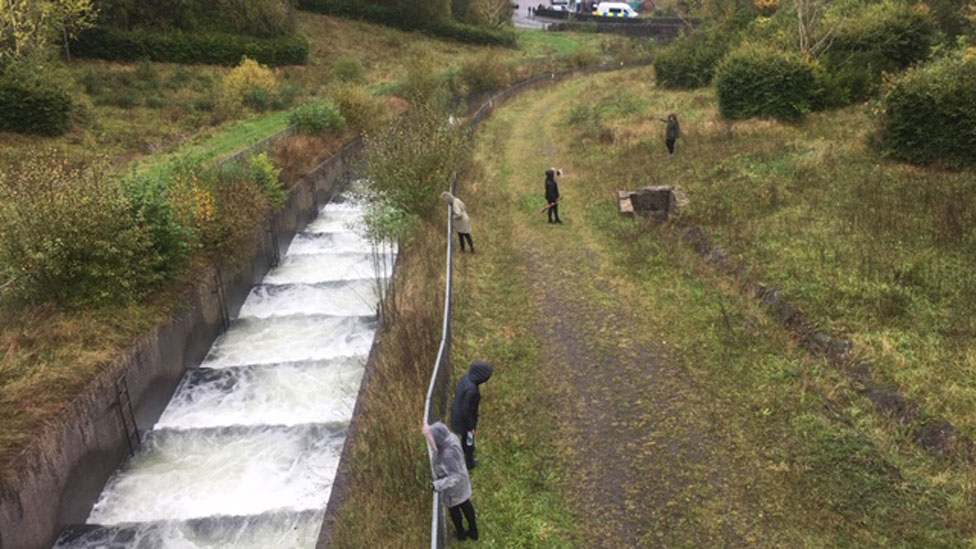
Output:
(480, 372)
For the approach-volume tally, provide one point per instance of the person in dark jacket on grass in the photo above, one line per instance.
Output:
(451, 478)
(464, 412)
(672, 132)
(552, 194)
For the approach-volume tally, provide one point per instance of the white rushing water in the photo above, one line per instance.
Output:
(246, 451)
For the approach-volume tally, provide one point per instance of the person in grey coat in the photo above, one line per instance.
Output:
(451, 477)
(462, 223)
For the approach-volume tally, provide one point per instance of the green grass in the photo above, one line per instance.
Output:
(871, 249)
(787, 453)
(541, 44)
(222, 144)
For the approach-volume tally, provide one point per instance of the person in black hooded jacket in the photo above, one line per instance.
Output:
(464, 412)
(552, 194)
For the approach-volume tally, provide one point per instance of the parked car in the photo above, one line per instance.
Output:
(559, 5)
(615, 9)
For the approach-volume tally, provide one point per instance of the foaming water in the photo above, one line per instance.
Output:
(350, 297)
(267, 530)
(337, 220)
(246, 451)
(343, 242)
(228, 471)
(313, 269)
(288, 394)
(291, 339)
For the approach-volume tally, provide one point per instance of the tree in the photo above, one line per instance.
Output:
(814, 36)
(71, 17)
(489, 13)
(28, 26)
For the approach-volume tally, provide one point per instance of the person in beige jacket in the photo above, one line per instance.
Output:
(462, 223)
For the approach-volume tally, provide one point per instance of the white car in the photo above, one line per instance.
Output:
(615, 9)
(559, 5)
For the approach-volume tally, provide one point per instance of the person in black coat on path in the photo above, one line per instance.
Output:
(552, 195)
(464, 412)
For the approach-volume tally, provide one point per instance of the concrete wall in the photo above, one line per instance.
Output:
(60, 475)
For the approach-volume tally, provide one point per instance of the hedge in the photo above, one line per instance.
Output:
(264, 18)
(759, 81)
(881, 38)
(179, 47)
(690, 61)
(43, 111)
(929, 114)
(391, 17)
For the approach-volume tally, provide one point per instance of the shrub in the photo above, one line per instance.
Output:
(264, 18)
(287, 93)
(758, 81)
(349, 70)
(43, 110)
(266, 176)
(412, 162)
(885, 37)
(34, 99)
(187, 48)
(319, 117)
(392, 17)
(250, 85)
(690, 61)
(71, 236)
(928, 114)
(360, 109)
(485, 73)
(583, 58)
(147, 77)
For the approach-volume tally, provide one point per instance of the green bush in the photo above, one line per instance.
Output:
(319, 117)
(758, 81)
(900, 33)
(412, 162)
(485, 73)
(392, 17)
(928, 114)
(348, 70)
(885, 37)
(43, 110)
(264, 18)
(265, 175)
(360, 109)
(187, 48)
(34, 97)
(690, 61)
(71, 236)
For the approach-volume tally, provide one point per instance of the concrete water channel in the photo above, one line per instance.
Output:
(245, 453)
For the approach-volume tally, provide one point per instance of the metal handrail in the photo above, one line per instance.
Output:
(438, 530)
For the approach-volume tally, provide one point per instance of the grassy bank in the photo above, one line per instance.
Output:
(874, 249)
(131, 111)
(721, 429)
